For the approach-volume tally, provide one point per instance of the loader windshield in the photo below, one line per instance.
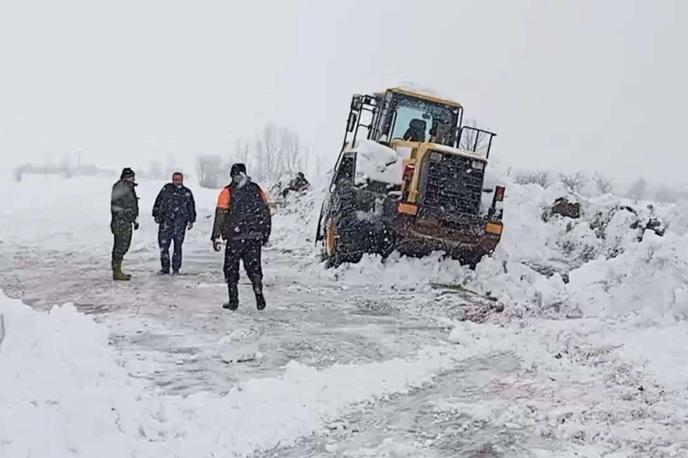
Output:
(419, 120)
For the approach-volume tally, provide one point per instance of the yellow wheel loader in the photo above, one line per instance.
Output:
(410, 177)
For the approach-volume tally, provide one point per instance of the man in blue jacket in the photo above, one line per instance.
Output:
(175, 212)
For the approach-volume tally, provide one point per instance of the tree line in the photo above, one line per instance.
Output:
(275, 152)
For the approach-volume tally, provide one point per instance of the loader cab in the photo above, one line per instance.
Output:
(408, 121)
(403, 115)
(398, 114)
(417, 118)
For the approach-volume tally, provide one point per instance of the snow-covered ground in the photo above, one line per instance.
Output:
(403, 358)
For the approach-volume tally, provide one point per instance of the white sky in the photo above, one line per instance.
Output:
(598, 85)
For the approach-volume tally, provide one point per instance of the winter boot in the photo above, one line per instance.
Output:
(124, 274)
(258, 291)
(233, 303)
(117, 273)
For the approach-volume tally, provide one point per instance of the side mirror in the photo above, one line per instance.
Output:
(351, 123)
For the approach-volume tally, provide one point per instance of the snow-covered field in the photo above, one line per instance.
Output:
(404, 358)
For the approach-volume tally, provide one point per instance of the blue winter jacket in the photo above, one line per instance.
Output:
(174, 205)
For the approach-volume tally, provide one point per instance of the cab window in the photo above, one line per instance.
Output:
(417, 120)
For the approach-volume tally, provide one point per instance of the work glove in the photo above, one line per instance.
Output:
(217, 244)
(136, 225)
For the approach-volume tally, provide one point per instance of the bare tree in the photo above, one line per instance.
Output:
(293, 158)
(269, 148)
(242, 152)
(278, 151)
(539, 177)
(602, 183)
(573, 183)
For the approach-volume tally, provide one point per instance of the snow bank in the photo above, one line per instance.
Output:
(295, 222)
(614, 266)
(63, 394)
(60, 389)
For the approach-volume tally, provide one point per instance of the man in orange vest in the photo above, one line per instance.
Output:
(243, 219)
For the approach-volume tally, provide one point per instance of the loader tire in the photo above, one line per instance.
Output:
(342, 233)
(340, 245)
(385, 242)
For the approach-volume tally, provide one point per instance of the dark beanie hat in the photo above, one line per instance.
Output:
(127, 173)
(237, 169)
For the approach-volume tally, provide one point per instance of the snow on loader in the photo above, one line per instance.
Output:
(410, 177)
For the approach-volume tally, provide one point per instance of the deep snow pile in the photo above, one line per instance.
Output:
(60, 388)
(603, 264)
(295, 222)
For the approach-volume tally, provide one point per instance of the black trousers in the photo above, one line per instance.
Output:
(249, 252)
(168, 233)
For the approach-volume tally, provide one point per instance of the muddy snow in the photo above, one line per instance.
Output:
(569, 341)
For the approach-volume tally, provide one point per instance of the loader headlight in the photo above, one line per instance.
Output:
(493, 228)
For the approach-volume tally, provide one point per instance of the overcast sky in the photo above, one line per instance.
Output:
(599, 85)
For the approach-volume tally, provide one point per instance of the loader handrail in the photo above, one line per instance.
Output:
(475, 140)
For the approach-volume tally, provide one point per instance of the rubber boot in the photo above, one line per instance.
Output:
(124, 274)
(233, 303)
(117, 273)
(258, 291)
